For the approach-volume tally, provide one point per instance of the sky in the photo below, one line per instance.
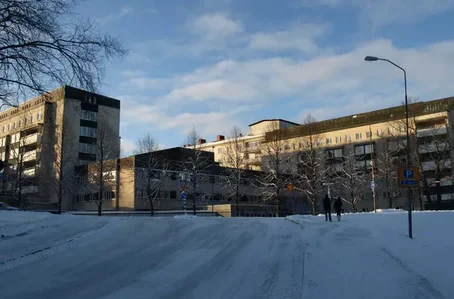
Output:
(215, 64)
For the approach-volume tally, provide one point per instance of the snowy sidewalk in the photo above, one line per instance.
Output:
(370, 256)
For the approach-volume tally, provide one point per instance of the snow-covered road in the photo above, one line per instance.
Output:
(49, 256)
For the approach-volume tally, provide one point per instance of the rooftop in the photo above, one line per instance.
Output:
(274, 119)
(368, 118)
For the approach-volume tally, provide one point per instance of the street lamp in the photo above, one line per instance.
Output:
(373, 58)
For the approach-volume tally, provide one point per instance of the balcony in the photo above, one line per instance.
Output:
(431, 132)
(254, 161)
(29, 189)
(29, 172)
(431, 165)
(432, 147)
(30, 156)
(252, 149)
(31, 139)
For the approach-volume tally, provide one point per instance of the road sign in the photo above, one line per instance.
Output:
(290, 187)
(408, 177)
(183, 195)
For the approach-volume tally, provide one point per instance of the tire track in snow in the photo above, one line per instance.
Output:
(423, 282)
(44, 252)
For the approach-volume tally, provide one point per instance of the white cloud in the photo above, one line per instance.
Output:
(127, 146)
(123, 12)
(215, 26)
(209, 123)
(301, 37)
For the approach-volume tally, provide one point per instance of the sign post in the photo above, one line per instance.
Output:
(290, 188)
(408, 177)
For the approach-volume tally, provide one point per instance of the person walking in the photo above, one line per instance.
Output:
(338, 208)
(327, 207)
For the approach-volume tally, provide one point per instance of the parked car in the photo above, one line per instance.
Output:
(4, 206)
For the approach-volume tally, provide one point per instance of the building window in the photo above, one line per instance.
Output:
(38, 116)
(14, 125)
(88, 132)
(390, 131)
(9, 127)
(334, 153)
(20, 122)
(339, 139)
(348, 138)
(329, 141)
(87, 148)
(368, 134)
(380, 132)
(31, 119)
(402, 128)
(3, 130)
(89, 115)
(359, 136)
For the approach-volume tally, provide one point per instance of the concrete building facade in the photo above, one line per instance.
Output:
(48, 137)
(128, 186)
(376, 142)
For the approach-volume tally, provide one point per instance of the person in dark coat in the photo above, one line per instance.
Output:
(327, 207)
(338, 208)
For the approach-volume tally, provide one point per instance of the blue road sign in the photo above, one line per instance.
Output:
(183, 195)
(409, 183)
(409, 174)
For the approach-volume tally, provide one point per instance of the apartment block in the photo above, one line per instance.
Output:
(46, 138)
(375, 143)
(125, 186)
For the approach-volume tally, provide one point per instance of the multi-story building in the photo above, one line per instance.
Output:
(45, 138)
(376, 145)
(250, 144)
(126, 183)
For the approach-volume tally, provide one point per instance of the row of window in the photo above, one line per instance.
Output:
(107, 195)
(88, 132)
(359, 136)
(17, 124)
(87, 148)
(89, 115)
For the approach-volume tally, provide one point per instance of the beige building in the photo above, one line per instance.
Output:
(48, 137)
(375, 138)
(127, 189)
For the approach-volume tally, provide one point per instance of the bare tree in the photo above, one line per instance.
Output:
(195, 168)
(387, 162)
(41, 45)
(311, 171)
(352, 177)
(152, 171)
(233, 157)
(103, 169)
(276, 166)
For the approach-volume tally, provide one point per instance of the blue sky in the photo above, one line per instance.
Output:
(213, 64)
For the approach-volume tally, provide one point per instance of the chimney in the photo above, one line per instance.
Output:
(201, 141)
(220, 137)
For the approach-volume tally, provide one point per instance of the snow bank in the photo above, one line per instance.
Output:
(427, 257)
(185, 216)
(16, 223)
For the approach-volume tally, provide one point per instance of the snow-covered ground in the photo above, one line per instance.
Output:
(363, 256)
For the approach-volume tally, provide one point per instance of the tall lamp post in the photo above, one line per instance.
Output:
(373, 58)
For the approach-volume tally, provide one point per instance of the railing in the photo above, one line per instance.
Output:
(431, 132)
(34, 138)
